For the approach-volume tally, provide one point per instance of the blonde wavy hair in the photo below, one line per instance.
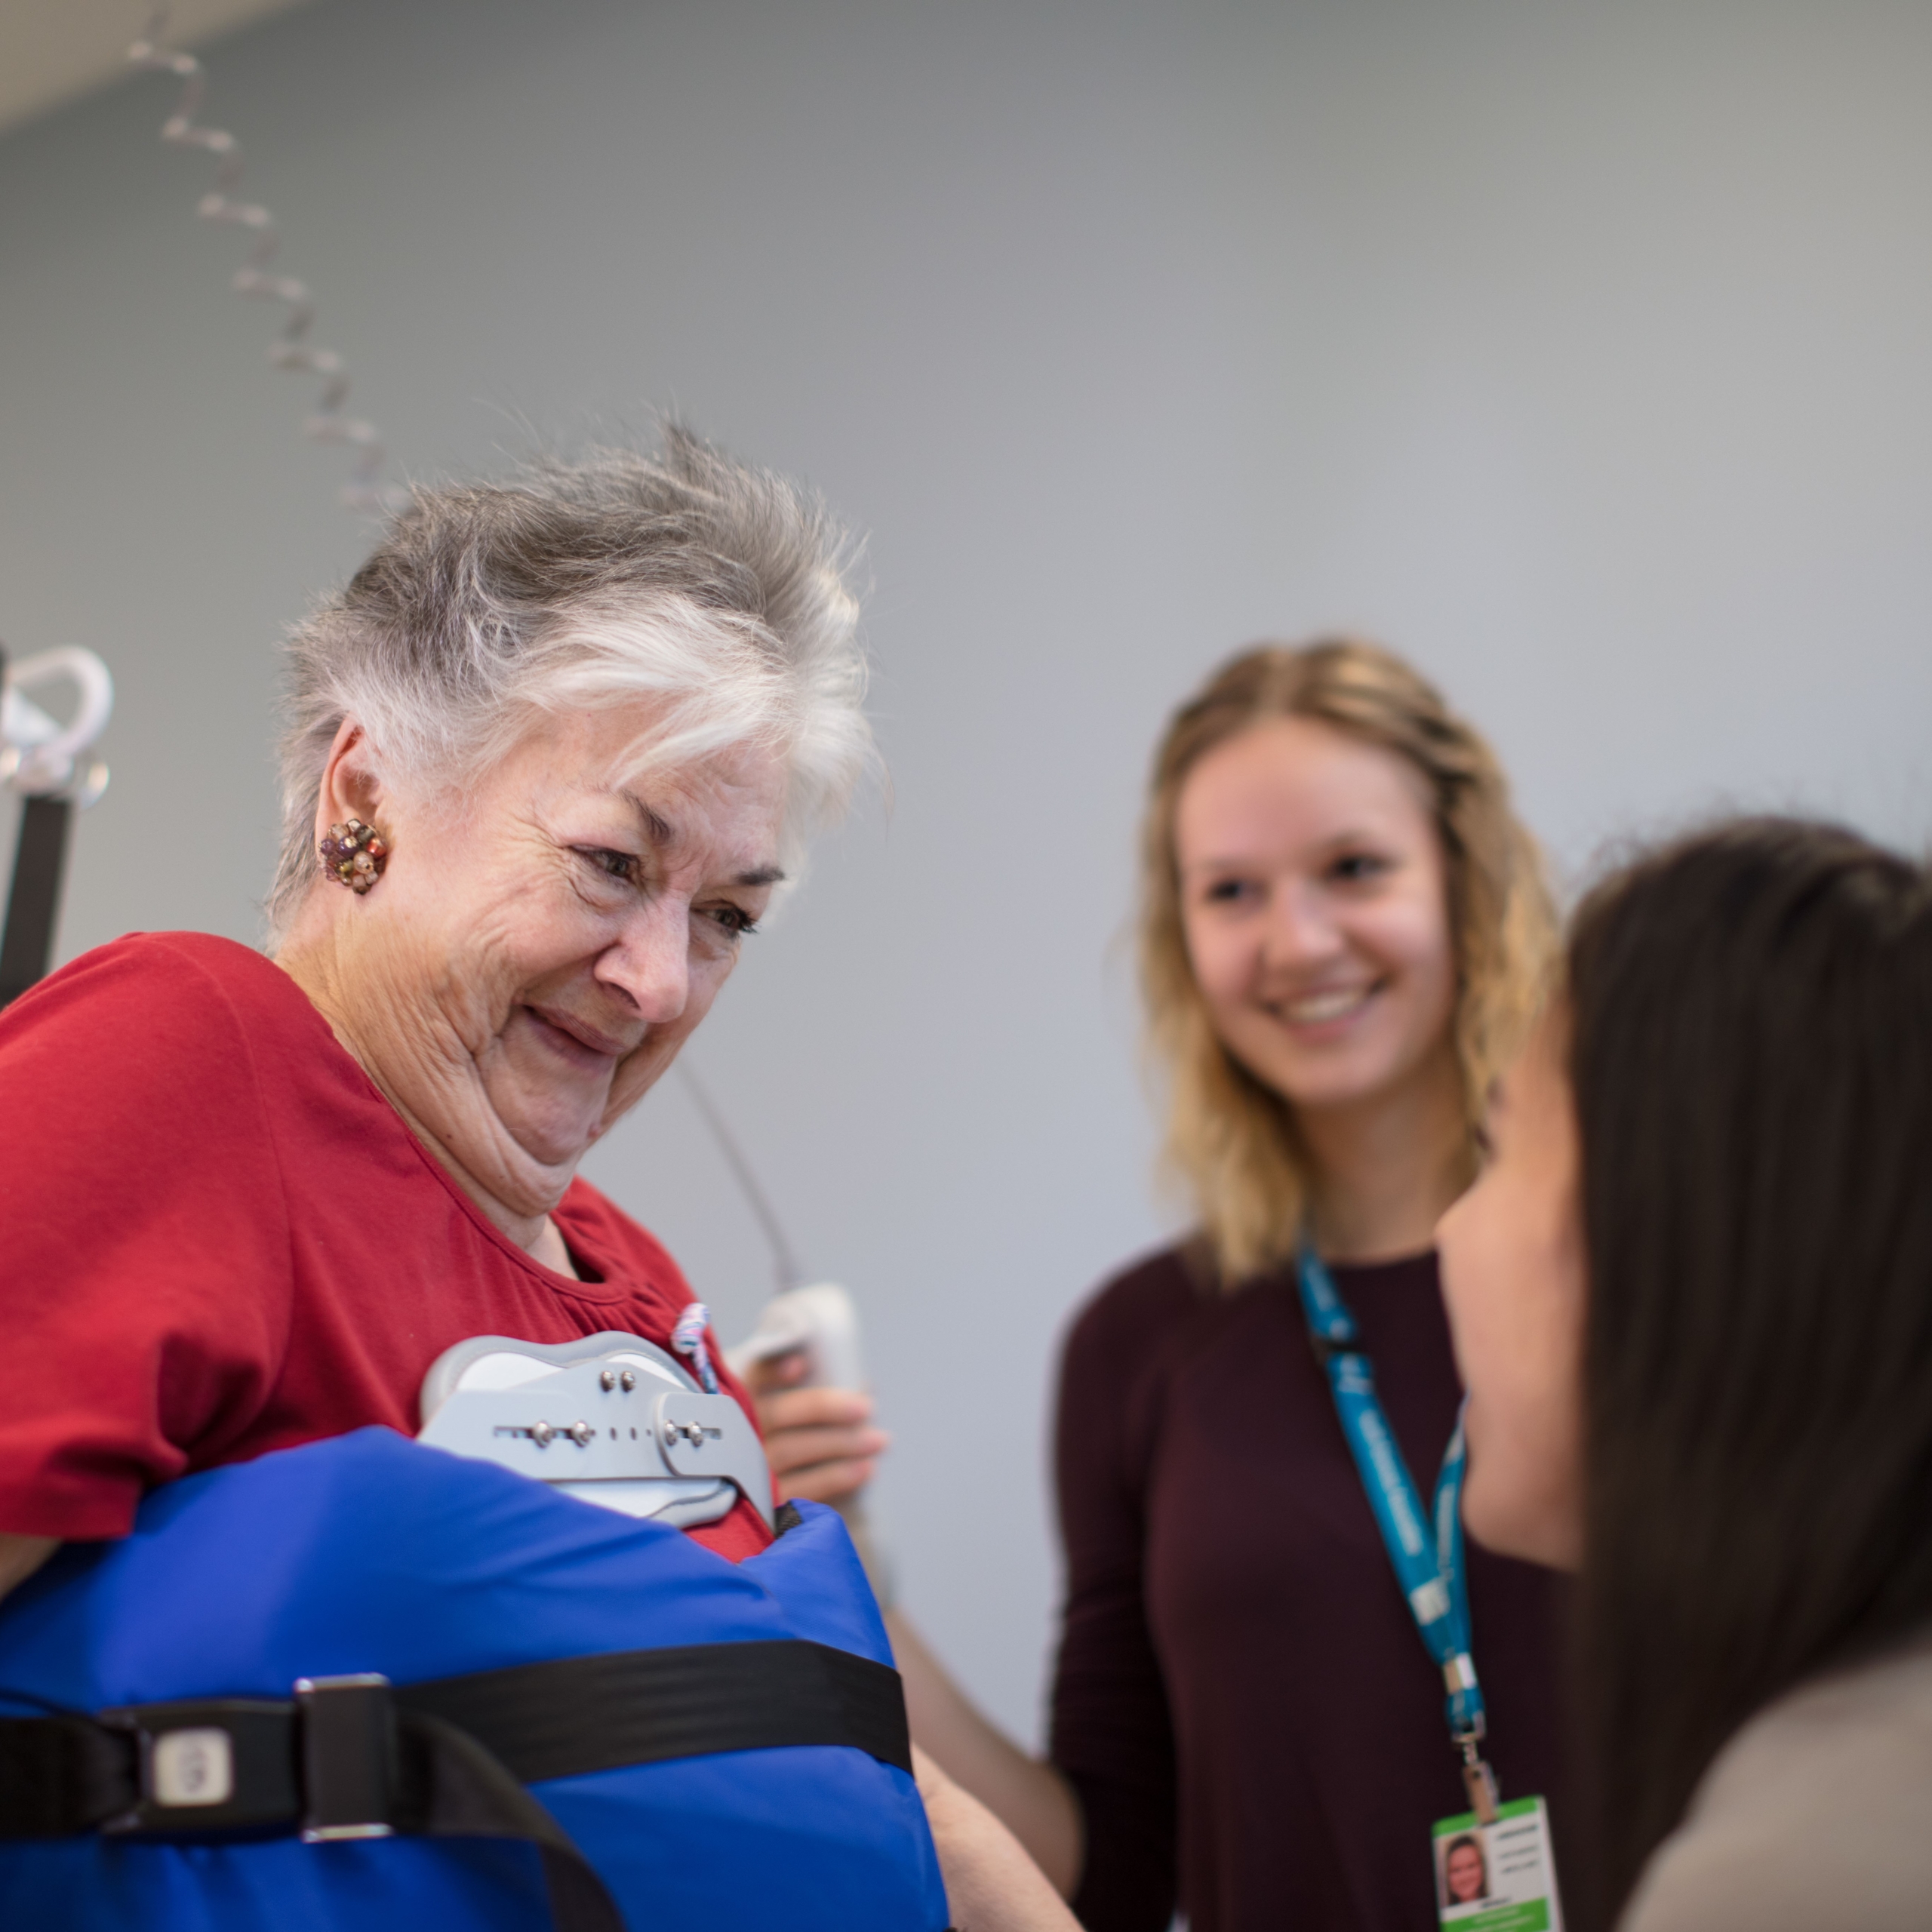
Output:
(1230, 1140)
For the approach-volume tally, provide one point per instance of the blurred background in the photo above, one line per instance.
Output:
(1583, 353)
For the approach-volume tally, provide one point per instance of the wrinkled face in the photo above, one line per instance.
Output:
(539, 947)
(1514, 1277)
(1314, 907)
(1463, 1868)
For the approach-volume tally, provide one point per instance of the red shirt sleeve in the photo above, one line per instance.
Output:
(145, 1273)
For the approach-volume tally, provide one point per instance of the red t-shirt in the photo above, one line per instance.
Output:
(217, 1239)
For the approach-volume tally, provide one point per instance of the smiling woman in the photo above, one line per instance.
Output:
(1343, 929)
(561, 739)
(1344, 932)
(562, 735)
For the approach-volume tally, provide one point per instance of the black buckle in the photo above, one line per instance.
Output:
(327, 1762)
(350, 1757)
(209, 1765)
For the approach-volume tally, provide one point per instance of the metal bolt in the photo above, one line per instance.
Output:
(628, 1380)
(670, 1432)
(541, 1433)
(580, 1433)
(607, 1379)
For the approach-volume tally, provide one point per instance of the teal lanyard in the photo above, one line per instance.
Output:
(1425, 1548)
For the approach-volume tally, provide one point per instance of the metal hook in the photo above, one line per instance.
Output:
(40, 757)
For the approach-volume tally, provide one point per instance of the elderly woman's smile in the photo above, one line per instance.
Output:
(546, 937)
(579, 1042)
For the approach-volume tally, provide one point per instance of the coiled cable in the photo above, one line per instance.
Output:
(292, 350)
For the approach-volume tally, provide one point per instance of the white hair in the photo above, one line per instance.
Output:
(720, 589)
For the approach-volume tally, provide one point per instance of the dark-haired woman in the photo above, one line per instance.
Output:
(1692, 1297)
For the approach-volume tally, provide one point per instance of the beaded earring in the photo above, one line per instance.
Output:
(354, 855)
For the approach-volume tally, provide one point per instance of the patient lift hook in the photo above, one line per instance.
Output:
(50, 765)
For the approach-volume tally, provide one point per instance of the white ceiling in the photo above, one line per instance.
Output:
(52, 51)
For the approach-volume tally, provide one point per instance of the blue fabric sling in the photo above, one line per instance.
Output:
(745, 1730)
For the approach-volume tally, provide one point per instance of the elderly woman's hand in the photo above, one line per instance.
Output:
(820, 1442)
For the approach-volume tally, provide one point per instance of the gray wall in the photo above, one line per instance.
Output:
(1582, 353)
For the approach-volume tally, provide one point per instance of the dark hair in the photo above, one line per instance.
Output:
(1751, 1053)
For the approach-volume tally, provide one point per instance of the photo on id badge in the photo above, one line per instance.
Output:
(1497, 1877)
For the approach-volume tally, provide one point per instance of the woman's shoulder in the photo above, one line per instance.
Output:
(163, 1052)
(156, 976)
(1814, 1814)
(162, 1001)
(1132, 1313)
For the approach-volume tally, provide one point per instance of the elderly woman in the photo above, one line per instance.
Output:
(549, 756)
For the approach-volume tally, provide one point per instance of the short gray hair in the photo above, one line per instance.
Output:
(720, 589)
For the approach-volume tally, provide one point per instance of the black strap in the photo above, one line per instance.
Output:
(61, 1774)
(353, 1756)
(462, 1791)
(577, 1715)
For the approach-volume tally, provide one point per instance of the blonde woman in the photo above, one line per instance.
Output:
(1344, 933)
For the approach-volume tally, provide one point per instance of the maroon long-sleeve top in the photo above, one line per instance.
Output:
(1242, 1702)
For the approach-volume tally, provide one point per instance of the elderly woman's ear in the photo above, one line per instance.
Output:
(352, 785)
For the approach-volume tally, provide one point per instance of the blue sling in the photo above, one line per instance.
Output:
(727, 1750)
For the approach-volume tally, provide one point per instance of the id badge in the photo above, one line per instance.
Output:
(1499, 1878)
